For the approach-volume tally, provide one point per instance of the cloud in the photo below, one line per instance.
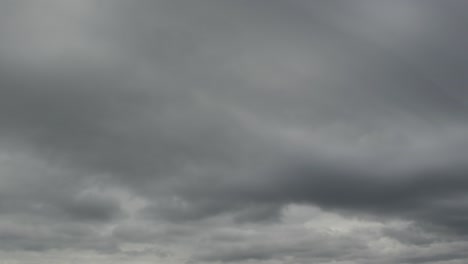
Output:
(185, 131)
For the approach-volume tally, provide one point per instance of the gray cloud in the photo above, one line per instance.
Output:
(134, 129)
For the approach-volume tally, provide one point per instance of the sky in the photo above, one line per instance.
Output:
(233, 131)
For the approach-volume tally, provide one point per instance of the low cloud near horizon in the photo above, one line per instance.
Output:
(233, 131)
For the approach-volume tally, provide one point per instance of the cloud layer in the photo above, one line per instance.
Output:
(233, 131)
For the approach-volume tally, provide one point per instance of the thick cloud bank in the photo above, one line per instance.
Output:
(233, 131)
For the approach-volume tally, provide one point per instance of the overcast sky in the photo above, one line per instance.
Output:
(233, 131)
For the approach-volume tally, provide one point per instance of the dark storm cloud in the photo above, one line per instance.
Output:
(431, 193)
(226, 112)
